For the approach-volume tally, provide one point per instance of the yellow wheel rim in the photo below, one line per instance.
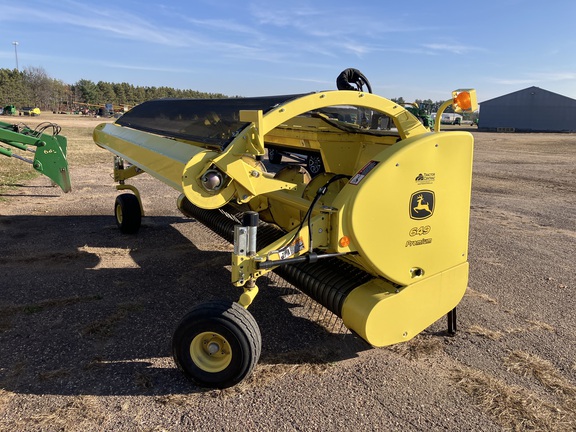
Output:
(119, 213)
(210, 352)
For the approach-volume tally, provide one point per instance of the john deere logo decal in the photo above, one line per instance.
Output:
(422, 204)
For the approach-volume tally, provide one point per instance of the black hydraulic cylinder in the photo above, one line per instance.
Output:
(250, 219)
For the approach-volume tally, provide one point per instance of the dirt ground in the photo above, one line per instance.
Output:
(87, 314)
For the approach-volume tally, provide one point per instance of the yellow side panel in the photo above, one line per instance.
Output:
(382, 316)
(408, 214)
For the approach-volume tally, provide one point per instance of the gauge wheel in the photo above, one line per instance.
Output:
(128, 213)
(217, 344)
(274, 156)
(314, 164)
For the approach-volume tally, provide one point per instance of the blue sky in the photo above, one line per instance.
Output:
(410, 49)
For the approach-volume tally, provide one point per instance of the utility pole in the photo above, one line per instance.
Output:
(16, 53)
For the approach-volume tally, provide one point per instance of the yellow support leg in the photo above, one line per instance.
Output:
(248, 296)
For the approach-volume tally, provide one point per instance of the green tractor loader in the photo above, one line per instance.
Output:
(49, 149)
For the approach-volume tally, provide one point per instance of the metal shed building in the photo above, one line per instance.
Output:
(530, 110)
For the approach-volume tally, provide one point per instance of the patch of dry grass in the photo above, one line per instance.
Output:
(495, 335)
(513, 407)
(14, 172)
(419, 347)
(540, 325)
(104, 328)
(5, 398)
(263, 375)
(484, 332)
(473, 293)
(7, 313)
(75, 413)
(529, 365)
(53, 374)
(175, 399)
(269, 372)
(279, 365)
(534, 325)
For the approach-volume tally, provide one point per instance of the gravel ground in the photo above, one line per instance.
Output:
(87, 314)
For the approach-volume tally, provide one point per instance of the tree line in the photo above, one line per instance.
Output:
(32, 87)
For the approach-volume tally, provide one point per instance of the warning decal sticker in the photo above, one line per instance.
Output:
(292, 249)
(363, 172)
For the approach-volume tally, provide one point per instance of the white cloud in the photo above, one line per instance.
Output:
(536, 78)
(224, 25)
(451, 48)
(504, 81)
(335, 21)
(556, 76)
(110, 21)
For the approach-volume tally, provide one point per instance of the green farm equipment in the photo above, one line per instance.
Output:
(421, 112)
(49, 149)
(9, 110)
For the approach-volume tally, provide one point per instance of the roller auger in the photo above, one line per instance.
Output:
(49, 149)
(380, 238)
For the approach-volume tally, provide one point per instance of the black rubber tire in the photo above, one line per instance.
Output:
(314, 164)
(274, 156)
(128, 213)
(225, 321)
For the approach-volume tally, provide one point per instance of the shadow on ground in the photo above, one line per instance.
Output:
(85, 310)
